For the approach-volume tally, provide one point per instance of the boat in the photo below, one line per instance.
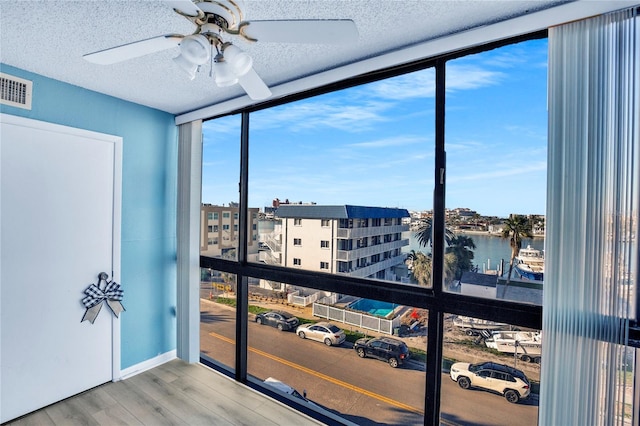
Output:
(526, 344)
(473, 324)
(529, 264)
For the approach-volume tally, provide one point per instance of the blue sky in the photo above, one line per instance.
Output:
(374, 144)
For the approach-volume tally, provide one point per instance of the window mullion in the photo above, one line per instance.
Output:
(434, 336)
(242, 290)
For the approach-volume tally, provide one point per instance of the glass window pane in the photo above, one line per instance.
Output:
(369, 368)
(342, 177)
(220, 196)
(218, 317)
(219, 237)
(491, 372)
(496, 143)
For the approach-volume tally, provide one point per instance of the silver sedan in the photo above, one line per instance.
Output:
(324, 332)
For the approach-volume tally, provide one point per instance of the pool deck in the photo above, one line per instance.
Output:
(346, 300)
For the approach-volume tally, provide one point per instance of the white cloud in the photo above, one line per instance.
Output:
(465, 77)
(323, 113)
(393, 141)
(420, 84)
(499, 171)
(224, 125)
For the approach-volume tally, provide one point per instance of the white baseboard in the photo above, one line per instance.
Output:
(147, 365)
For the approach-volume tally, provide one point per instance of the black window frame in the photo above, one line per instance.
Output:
(437, 301)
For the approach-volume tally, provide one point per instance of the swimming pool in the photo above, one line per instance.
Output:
(374, 307)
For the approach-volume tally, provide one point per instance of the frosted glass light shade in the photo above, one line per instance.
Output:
(196, 49)
(239, 60)
(189, 67)
(224, 74)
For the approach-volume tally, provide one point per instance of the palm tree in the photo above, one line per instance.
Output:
(450, 265)
(462, 247)
(424, 233)
(516, 228)
(420, 267)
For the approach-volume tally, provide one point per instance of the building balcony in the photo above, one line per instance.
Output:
(274, 242)
(373, 268)
(351, 233)
(350, 255)
(270, 258)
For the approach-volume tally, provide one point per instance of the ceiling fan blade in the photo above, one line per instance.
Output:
(185, 6)
(254, 86)
(339, 31)
(133, 50)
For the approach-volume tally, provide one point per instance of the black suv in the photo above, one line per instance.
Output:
(393, 351)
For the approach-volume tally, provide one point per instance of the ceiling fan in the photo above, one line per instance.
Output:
(217, 19)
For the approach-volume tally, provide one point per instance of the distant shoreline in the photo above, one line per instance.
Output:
(487, 233)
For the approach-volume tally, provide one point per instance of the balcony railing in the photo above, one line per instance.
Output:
(274, 241)
(349, 255)
(373, 268)
(350, 233)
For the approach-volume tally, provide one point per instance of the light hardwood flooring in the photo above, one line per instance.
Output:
(175, 393)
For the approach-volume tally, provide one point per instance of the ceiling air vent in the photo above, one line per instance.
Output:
(15, 91)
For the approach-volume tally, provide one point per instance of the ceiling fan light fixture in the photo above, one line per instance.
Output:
(240, 61)
(223, 72)
(189, 67)
(195, 48)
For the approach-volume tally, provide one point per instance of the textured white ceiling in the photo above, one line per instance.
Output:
(50, 37)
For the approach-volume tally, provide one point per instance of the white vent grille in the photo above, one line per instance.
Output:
(15, 91)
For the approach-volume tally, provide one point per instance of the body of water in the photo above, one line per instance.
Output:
(489, 251)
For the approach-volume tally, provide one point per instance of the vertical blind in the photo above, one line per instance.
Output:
(591, 250)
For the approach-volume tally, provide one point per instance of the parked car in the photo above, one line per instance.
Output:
(507, 381)
(324, 332)
(283, 321)
(393, 351)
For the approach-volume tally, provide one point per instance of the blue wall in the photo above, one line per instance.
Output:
(149, 173)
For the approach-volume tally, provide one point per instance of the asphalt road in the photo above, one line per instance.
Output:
(364, 391)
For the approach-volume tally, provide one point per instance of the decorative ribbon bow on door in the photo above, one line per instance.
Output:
(96, 295)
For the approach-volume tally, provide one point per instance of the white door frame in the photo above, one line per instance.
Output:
(117, 207)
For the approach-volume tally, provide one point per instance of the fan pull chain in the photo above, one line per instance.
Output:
(211, 56)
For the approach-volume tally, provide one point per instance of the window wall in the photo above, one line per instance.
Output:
(496, 143)
(219, 238)
(338, 176)
(387, 193)
(492, 372)
(339, 359)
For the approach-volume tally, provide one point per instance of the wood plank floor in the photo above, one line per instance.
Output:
(175, 393)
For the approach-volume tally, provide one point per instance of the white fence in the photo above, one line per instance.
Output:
(295, 299)
(357, 319)
(329, 300)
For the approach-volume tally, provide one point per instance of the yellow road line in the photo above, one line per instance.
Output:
(325, 377)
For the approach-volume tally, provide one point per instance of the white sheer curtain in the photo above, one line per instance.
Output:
(591, 251)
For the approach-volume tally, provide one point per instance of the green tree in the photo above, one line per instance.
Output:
(516, 228)
(424, 233)
(458, 253)
(420, 267)
(450, 265)
(461, 246)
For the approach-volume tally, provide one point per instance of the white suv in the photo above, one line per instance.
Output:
(500, 378)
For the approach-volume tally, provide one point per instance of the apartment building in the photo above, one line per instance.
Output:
(219, 230)
(358, 241)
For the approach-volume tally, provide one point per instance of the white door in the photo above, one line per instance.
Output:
(59, 214)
